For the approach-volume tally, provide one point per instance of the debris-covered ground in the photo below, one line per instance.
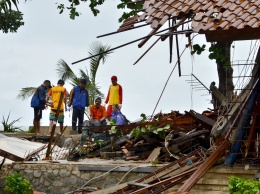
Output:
(162, 138)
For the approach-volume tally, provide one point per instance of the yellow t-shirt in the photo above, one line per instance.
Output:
(55, 93)
(114, 95)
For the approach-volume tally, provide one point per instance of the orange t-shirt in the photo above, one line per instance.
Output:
(98, 113)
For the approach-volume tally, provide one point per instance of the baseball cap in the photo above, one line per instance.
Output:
(113, 77)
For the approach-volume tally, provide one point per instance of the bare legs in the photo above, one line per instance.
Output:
(51, 125)
(61, 127)
(36, 125)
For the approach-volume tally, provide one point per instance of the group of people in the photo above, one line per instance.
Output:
(79, 100)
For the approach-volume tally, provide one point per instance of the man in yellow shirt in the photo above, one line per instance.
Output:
(114, 96)
(55, 93)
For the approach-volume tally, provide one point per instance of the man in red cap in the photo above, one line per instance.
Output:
(114, 96)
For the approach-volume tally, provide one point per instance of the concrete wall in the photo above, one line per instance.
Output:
(60, 178)
(45, 129)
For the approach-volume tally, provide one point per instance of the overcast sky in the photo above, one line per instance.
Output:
(29, 56)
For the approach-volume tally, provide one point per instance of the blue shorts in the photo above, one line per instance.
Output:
(60, 119)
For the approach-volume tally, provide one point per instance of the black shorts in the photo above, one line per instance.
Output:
(37, 114)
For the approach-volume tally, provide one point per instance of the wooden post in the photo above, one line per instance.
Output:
(48, 152)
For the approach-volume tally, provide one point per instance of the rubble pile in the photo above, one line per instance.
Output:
(164, 137)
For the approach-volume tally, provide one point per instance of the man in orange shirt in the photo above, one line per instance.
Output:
(98, 113)
(114, 96)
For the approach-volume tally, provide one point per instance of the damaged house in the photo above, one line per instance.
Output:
(191, 143)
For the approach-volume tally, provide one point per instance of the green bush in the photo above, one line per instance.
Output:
(239, 185)
(9, 126)
(17, 184)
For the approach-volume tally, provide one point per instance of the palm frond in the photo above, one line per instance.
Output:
(94, 92)
(25, 93)
(64, 71)
(74, 81)
(97, 48)
(85, 75)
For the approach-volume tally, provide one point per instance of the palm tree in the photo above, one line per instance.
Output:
(26, 93)
(66, 73)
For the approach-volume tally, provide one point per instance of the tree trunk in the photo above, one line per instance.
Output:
(225, 71)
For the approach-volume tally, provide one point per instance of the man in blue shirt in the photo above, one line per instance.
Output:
(38, 103)
(79, 99)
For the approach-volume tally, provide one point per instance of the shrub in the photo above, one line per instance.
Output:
(239, 185)
(17, 184)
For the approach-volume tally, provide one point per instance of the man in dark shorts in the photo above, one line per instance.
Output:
(38, 103)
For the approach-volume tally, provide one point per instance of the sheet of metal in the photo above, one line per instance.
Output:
(202, 118)
(10, 156)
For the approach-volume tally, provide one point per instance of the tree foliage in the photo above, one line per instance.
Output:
(67, 74)
(72, 6)
(10, 17)
(25, 93)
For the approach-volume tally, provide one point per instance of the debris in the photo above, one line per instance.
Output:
(154, 155)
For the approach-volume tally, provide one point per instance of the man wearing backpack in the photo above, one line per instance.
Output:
(38, 103)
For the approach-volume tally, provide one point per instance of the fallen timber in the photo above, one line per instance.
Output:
(167, 176)
(185, 130)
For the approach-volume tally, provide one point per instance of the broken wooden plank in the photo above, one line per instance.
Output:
(31, 154)
(127, 153)
(154, 155)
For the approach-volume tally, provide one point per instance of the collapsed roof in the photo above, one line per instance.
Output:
(219, 20)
